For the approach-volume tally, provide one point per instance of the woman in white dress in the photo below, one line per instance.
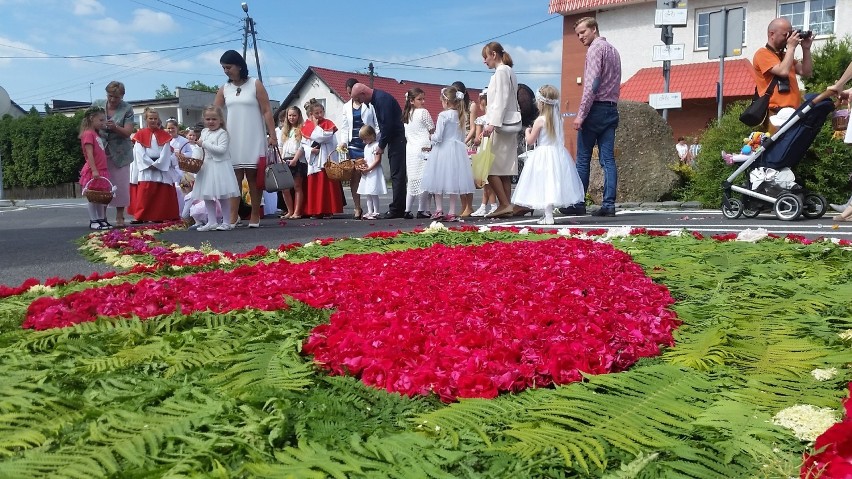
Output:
(355, 115)
(418, 126)
(252, 127)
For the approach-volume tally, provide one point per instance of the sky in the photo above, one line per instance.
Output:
(70, 50)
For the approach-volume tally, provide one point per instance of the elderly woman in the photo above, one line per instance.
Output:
(250, 126)
(502, 124)
(119, 148)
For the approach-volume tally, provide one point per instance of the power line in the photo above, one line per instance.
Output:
(215, 10)
(80, 57)
(192, 12)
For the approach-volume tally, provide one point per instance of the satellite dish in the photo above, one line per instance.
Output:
(5, 102)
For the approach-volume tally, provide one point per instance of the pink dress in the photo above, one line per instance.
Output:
(90, 137)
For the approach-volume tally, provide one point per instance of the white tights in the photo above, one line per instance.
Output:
(372, 204)
(439, 203)
(210, 206)
(422, 202)
(97, 211)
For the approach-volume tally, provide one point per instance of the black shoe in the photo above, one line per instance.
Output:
(574, 210)
(408, 215)
(423, 214)
(390, 215)
(604, 212)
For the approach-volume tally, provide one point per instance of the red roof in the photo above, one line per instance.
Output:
(574, 6)
(336, 80)
(694, 81)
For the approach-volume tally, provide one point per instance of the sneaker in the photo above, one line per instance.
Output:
(480, 212)
(573, 210)
(838, 208)
(208, 227)
(224, 227)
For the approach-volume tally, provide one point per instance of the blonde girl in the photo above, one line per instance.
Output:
(216, 180)
(372, 177)
(289, 140)
(489, 199)
(96, 162)
(153, 173)
(549, 178)
(448, 170)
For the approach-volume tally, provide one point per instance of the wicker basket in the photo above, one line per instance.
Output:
(338, 170)
(190, 164)
(103, 197)
(840, 120)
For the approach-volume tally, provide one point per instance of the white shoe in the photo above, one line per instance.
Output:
(208, 227)
(838, 208)
(544, 220)
(224, 227)
(480, 212)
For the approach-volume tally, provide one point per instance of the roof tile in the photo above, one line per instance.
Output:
(571, 6)
(694, 81)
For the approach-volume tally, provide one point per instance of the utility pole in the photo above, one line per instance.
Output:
(667, 36)
(370, 69)
(249, 29)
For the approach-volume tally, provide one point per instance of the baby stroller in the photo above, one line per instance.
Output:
(770, 184)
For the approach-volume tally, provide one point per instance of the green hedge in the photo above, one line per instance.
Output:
(40, 151)
(825, 168)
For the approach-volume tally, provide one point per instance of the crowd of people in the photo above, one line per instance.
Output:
(430, 163)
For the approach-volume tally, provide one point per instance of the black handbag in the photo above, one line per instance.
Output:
(277, 176)
(755, 114)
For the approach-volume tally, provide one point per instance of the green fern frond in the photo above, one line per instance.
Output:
(155, 350)
(65, 465)
(271, 365)
(632, 469)
(646, 408)
(704, 350)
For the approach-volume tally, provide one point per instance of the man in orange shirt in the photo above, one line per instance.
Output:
(778, 59)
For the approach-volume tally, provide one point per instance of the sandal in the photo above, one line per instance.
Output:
(423, 214)
(96, 225)
(437, 215)
(358, 215)
(842, 218)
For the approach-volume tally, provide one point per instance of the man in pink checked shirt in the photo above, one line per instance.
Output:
(597, 115)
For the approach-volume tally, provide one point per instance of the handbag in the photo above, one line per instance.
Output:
(277, 175)
(482, 161)
(509, 127)
(755, 114)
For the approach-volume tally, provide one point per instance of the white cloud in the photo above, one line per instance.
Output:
(14, 48)
(88, 7)
(143, 21)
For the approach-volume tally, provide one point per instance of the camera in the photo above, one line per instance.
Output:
(804, 34)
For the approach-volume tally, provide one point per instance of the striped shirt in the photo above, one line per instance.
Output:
(602, 76)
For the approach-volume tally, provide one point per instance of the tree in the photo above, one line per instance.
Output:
(199, 86)
(164, 92)
(829, 62)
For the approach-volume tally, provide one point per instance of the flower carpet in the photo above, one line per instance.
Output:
(491, 352)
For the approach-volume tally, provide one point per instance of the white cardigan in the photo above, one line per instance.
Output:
(503, 97)
(368, 116)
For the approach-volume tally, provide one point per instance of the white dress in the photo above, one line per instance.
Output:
(417, 136)
(216, 179)
(549, 176)
(448, 170)
(373, 181)
(245, 124)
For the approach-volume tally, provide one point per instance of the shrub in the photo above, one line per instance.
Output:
(40, 151)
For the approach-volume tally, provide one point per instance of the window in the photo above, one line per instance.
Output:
(816, 15)
(702, 26)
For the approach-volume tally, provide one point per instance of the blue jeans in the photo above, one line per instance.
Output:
(599, 128)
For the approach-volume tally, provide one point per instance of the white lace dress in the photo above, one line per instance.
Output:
(417, 136)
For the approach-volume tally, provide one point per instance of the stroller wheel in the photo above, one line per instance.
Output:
(734, 209)
(814, 206)
(788, 207)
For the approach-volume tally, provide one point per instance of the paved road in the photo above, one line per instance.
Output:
(39, 239)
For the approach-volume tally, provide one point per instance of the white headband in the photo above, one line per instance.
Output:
(544, 100)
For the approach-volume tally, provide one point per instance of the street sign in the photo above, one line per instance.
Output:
(663, 101)
(668, 52)
(675, 17)
(664, 4)
(726, 33)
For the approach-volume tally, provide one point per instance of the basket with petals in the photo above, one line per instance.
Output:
(840, 119)
(340, 170)
(190, 163)
(96, 193)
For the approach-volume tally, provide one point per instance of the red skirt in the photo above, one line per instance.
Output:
(153, 201)
(324, 196)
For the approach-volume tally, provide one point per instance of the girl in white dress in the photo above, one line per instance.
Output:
(372, 177)
(216, 179)
(549, 178)
(448, 170)
(418, 126)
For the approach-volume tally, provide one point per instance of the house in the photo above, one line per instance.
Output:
(629, 26)
(329, 88)
(186, 106)
(15, 110)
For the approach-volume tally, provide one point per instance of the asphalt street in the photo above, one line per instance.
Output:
(38, 238)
